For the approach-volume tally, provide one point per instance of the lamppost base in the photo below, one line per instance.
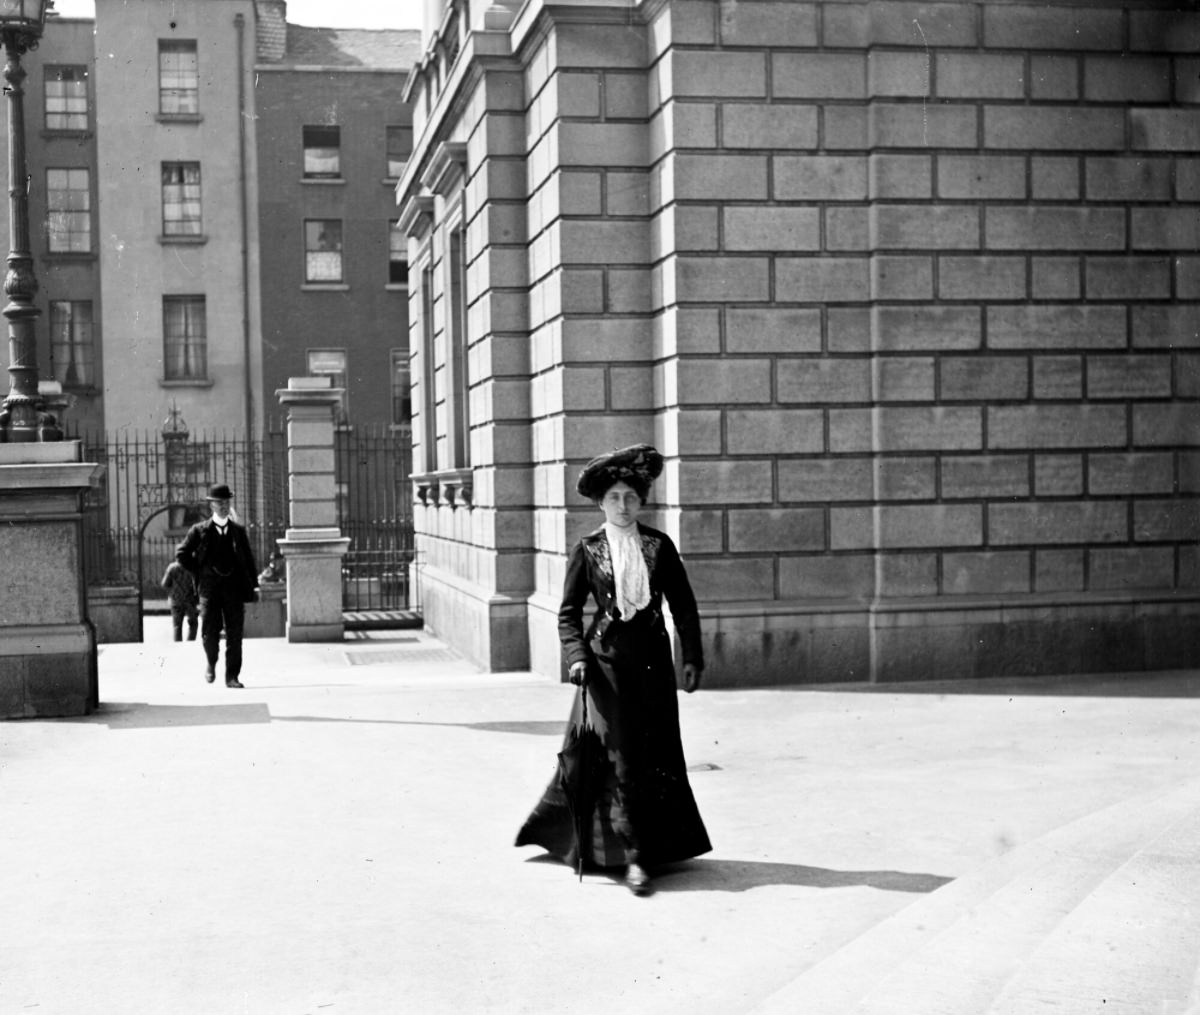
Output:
(28, 423)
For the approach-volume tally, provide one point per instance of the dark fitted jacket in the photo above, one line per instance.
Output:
(195, 552)
(589, 572)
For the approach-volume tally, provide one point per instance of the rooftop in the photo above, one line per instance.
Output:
(374, 49)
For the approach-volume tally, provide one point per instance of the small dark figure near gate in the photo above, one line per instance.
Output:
(183, 598)
(218, 553)
(275, 572)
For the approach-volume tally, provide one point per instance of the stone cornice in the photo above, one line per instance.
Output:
(50, 465)
(538, 12)
(417, 215)
(50, 476)
(309, 396)
(446, 162)
(313, 543)
(481, 51)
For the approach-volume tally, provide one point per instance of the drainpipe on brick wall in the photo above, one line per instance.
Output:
(239, 23)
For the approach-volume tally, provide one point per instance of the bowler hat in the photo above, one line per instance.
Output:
(638, 465)
(220, 491)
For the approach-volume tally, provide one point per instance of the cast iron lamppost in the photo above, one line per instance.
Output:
(21, 419)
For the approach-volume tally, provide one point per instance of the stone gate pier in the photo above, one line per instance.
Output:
(313, 545)
(47, 643)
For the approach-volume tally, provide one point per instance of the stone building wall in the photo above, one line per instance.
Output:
(138, 266)
(468, 292)
(906, 294)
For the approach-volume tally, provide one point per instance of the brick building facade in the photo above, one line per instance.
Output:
(333, 134)
(60, 129)
(172, 180)
(907, 294)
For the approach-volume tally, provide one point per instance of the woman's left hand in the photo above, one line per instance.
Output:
(691, 677)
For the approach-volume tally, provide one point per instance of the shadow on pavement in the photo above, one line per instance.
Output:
(137, 715)
(537, 727)
(1172, 684)
(742, 875)
(143, 715)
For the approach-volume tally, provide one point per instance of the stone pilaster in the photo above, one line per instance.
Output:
(47, 643)
(313, 545)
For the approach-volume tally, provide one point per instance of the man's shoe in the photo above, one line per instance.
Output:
(210, 673)
(234, 683)
(637, 880)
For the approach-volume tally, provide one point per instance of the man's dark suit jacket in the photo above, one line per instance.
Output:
(196, 549)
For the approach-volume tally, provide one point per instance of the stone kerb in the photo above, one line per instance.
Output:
(313, 546)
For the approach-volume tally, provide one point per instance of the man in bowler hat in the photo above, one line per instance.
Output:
(217, 552)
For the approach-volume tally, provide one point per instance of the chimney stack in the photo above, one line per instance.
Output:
(271, 30)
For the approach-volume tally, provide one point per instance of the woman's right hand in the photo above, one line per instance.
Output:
(578, 674)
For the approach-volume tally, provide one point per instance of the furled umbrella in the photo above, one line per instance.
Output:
(581, 768)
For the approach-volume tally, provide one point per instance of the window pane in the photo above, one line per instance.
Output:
(66, 98)
(323, 250)
(178, 77)
(330, 363)
(397, 256)
(322, 137)
(71, 349)
(327, 363)
(185, 345)
(324, 162)
(401, 389)
(68, 211)
(322, 152)
(181, 198)
(399, 148)
(459, 404)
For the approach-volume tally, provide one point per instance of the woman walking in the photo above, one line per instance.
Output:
(640, 810)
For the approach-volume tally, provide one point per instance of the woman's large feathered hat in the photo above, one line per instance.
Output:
(638, 465)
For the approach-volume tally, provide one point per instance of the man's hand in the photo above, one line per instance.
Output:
(691, 677)
(578, 674)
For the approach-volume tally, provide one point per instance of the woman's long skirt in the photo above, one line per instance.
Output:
(637, 803)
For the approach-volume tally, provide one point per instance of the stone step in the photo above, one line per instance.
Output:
(382, 620)
(1132, 946)
(956, 950)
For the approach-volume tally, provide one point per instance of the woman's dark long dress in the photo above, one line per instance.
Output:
(646, 812)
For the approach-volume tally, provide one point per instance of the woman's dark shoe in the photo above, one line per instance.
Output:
(210, 673)
(234, 683)
(637, 880)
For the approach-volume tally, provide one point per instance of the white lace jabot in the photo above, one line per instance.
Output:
(630, 577)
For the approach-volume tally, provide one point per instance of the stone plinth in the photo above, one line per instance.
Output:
(115, 612)
(314, 583)
(47, 642)
(266, 618)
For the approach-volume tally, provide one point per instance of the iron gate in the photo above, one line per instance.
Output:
(153, 489)
(154, 485)
(373, 469)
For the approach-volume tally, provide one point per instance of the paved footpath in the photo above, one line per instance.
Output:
(336, 838)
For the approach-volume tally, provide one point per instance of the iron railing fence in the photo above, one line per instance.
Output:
(153, 489)
(154, 484)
